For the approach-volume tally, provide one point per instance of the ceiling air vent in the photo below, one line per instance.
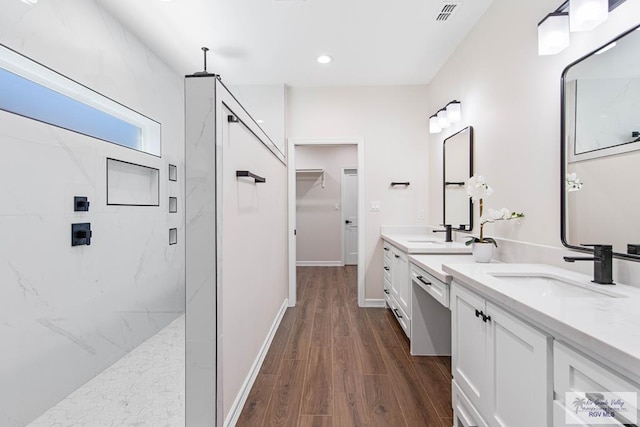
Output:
(447, 11)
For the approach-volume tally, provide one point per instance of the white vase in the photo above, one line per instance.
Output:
(482, 252)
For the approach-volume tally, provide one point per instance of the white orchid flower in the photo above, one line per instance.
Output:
(477, 188)
(573, 182)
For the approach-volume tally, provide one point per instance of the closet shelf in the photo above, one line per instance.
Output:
(312, 173)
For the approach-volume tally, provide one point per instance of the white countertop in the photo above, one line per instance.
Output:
(607, 327)
(432, 264)
(422, 243)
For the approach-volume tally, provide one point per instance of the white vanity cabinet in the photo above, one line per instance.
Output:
(500, 365)
(575, 372)
(396, 285)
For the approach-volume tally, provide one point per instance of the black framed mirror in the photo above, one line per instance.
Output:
(600, 148)
(457, 168)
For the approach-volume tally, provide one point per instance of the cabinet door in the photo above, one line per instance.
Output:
(468, 343)
(519, 378)
(404, 289)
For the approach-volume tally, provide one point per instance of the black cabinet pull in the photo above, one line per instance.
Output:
(386, 291)
(385, 248)
(397, 256)
(386, 268)
(485, 318)
(420, 278)
(251, 175)
(393, 184)
(395, 310)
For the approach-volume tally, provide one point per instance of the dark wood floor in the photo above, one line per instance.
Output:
(332, 363)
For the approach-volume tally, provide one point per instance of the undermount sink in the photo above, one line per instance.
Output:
(433, 242)
(551, 285)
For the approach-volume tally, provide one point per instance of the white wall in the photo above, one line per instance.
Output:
(66, 313)
(393, 122)
(512, 98)
(318, 210)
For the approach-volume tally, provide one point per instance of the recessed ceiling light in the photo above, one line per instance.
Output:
(324, 59)
(30, 1)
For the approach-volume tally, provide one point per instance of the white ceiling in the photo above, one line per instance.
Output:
(374, 42)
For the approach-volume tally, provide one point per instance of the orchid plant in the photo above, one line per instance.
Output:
(478, 190)
(573, 182)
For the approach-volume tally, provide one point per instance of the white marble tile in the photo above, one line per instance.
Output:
(66, 313)
(144, 388)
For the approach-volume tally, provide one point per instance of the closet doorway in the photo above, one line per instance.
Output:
(326, 206)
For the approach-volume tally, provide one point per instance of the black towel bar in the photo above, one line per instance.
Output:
(251, 175)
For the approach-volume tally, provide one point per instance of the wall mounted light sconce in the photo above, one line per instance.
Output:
(571, 16)
(447, 115)
(585, 15)
(553, 33)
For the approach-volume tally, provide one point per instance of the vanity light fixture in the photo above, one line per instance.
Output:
(434, 124)
(585, 15)
(553, 33)
(572, 15)
(454, 112)
(450, 113)
(324, 59)
(443, 120)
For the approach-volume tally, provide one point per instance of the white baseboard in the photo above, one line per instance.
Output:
(319, 264)
(374, 303)
(243, 394)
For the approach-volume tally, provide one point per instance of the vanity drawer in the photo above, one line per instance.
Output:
(400, 315)
(386, 287)
(387, 268)
(575, 372)
(386, 249)
(434, 287)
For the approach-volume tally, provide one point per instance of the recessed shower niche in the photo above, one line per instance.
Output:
(131, 184)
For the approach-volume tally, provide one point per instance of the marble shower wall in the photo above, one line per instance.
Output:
(67, 313)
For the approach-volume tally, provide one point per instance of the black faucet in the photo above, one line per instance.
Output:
(447, 231)
(602, 263)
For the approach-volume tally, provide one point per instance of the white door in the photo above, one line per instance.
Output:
(350, 215)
